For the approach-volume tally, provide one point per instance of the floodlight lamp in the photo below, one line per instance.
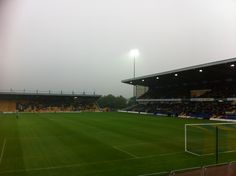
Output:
(143, 80)
(176, 74)
(200, 70)
(134, 53)
(232, 65)
(157, 77)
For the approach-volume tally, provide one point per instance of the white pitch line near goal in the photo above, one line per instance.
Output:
(124, 151)
(193, 153)
(3, 149)
(232, 151)
(209, 154)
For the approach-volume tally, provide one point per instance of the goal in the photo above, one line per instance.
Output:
(210, 138)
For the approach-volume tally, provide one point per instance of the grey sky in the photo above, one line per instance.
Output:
(84, 44)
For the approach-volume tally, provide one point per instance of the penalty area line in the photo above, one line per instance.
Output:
(124, 151)
(3, 149)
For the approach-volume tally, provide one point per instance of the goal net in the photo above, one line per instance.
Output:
(206, 138)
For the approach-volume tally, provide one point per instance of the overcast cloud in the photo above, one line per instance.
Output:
(83, 45)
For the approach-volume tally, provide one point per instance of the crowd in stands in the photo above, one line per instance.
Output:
(166, 94)
(189, 109)
(55, 106)
(221, 92)
(191, 102)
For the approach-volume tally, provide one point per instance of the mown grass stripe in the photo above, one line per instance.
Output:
(86, 164)
(3, 149)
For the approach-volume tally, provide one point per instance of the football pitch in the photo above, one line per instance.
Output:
(95, 144)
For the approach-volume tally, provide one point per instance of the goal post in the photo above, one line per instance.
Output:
(210, 138)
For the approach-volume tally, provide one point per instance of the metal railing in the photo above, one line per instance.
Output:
(50, 92)
(224, 169)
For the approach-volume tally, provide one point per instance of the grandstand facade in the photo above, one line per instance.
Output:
(24, 101)
(205, 91)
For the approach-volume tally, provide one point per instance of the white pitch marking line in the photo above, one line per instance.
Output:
(232, 151)
(209, 154)
(128, 153)
(156, 155)
(3, 149)
(166, 154)
(193, 153)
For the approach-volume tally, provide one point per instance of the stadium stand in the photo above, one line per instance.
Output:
(7, 106)
(47, 102)
(203, 91)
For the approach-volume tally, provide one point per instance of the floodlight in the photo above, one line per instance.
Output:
(134, 53)
(200, 70)
(176, 74)
(157, 77)
(232, 65)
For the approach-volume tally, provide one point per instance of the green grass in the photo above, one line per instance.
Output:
(95, 144)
